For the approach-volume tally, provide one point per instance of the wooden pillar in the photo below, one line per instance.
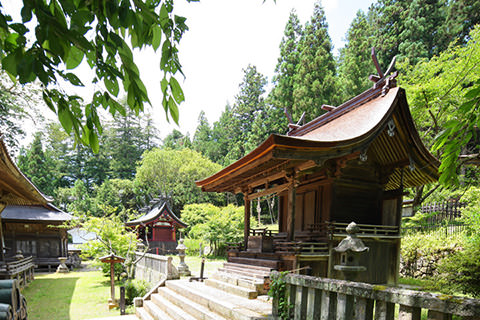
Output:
(2, 255)
(246, 229)
(112, 282)
(291, 211)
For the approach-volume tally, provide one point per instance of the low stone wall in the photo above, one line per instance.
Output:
(424, 266)
(151, 267)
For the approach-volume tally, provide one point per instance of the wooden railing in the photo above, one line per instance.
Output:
(22, 270)
(322, 298)
(338, 228)
(305, 248)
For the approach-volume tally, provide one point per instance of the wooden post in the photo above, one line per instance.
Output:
(291, 211)
(2, 255)
(246, 229)
(122, 300)
(112, 281)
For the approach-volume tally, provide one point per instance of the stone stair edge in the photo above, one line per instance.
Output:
(187, 304)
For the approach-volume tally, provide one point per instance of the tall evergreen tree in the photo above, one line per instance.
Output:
(315, 76)
(202, 139)
(249, 105)
(355, 63)
(282, 94)
(37, 166)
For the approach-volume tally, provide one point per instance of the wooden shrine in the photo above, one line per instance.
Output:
(350, 164)
(15, 189)
(35, 231)
(157, 228)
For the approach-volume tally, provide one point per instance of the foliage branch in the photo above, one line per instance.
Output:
(64, 33)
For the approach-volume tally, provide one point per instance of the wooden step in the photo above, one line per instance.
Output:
(273, 264)
(199, 311)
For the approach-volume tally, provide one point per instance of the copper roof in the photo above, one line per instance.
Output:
(15, 188)
(158, 211)
(358, 125)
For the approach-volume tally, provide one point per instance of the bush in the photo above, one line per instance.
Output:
(461, 271)
(135, 288)
(421, 253)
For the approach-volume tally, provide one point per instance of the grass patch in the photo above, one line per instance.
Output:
(71, 296)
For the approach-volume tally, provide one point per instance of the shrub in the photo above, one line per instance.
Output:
(135, 288)
(461, 271)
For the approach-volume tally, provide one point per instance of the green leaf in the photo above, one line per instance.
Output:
(9, 64)
(111, 84)
(172, 106)
(65, 118)
(75, 57)
(157, 37)
(93, 141)
(177, 91)
(73, 79)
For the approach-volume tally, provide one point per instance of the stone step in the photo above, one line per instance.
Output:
(143, 314)
(273, 264)
(265, 269)
(245, 272)
(241, 281)
(225, 304)
(199, 311)
(172, 310)
(232, 288)
(155, 311)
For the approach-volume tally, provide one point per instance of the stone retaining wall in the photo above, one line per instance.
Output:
(424, 266)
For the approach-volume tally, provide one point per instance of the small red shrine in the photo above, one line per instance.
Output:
(157, 228)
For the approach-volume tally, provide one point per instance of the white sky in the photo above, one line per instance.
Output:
(224, 37)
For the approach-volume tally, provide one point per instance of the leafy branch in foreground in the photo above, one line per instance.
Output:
(64, 33)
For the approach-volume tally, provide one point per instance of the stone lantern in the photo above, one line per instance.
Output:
(182, 267)
(350, 249)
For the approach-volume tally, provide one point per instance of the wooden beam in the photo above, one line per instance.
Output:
(268, 191)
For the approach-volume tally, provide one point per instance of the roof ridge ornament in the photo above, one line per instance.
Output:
(387, 78)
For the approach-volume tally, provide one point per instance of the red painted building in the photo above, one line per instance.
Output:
(157, 228)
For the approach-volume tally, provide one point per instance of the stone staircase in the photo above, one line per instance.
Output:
(235, 292)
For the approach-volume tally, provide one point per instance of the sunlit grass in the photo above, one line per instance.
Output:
(71, 296)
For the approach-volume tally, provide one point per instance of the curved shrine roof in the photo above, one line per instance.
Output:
(15, 187)
(158, 211)
(362, 124)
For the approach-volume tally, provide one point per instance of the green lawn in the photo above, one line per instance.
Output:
(71, 296)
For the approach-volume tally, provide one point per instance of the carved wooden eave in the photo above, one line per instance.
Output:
(15, 188)
(376, 125)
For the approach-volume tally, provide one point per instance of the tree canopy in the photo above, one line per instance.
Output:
(53, 38)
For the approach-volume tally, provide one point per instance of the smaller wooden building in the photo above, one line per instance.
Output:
(157, 228)
(34, 231)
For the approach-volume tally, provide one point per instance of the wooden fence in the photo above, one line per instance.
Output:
(322, 298)
(445, 211)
